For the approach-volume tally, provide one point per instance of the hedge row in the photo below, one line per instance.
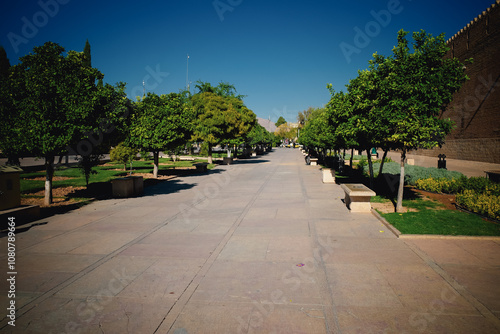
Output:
(476, 194)
(414, 173)
(455, 186)
(486, 204)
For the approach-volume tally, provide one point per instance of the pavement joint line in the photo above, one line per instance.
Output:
(460, 289)
(44, 296)
(169, 320)
(329, 310)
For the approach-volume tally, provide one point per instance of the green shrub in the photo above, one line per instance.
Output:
(414, 173)
(485, 203)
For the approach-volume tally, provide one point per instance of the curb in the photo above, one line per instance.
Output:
(399, 235)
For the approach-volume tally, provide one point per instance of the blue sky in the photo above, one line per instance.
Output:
(281, 54)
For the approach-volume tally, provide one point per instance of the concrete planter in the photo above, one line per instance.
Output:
(127, 186)
(227, 161)
(328, 175)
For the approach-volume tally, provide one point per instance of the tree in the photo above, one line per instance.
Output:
(317, 132)
(280, 121)
(304, 116)
(87, 55)
(54, 96)
(220, 119)
(416, 87)
(10, 136)
(160, 123)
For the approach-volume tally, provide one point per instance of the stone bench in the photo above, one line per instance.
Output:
(357, 197)
(328, 175)
(314, 161)
(201, 167)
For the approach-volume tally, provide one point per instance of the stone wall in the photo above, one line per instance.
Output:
(475, 109)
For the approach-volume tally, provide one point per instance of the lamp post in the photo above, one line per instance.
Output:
(187, 73)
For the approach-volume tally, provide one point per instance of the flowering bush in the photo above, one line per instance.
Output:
(485, 203)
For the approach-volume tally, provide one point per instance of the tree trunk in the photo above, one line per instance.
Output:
(210, 153)
(382, 163)
(399, 205)
(49, 173)
(156, 155)
(370, 167)
(228, 152)
(352, 155)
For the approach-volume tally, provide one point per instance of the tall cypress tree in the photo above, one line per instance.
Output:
(86, 52)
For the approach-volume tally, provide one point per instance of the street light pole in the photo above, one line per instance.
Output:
(187, 73)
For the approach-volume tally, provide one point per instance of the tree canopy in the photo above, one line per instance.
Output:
(159, 123)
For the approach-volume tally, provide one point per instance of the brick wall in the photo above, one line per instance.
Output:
(475, 109)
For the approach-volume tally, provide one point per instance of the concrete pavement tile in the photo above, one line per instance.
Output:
(388, 320)
(446, 252)
(40, 281)
(295, 212)
(245, 248)
(487, 251)
(130, 315)
(121, 225)
(249, 318)
(164, 279)
(200, 317)
(105, 243)
(289, 249)
(482, 282)
(261, 213)
(69, 221)
(34, 236)
(105, 315)
(109, 278)
(334, 228)
(369, 256)
(55, 262)
(63, 243)
(360, 285)
(420, 288)
(281, 227)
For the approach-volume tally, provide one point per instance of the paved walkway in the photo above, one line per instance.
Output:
(262, 246)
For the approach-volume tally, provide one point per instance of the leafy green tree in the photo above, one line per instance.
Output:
(220, 119)
(416, 87)
(280, 121)
(317, 132)
(54, 96)
(10, 136)
(160, 123)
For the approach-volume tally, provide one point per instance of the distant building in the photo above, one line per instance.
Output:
(475, 108)
(267, 124)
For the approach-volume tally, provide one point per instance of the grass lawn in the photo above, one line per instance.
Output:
(34, 181)
(430, 217)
